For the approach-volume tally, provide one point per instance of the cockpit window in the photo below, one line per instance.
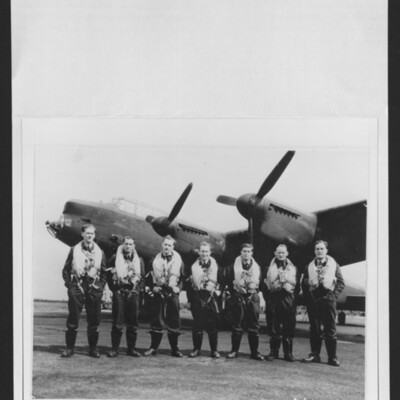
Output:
(136, 207)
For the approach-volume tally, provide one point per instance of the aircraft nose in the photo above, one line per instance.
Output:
(54, 227)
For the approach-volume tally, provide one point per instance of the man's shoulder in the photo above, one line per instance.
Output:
(154, 258)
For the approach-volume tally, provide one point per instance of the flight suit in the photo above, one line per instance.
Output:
(125, 304)
(84, 290)
(205, 278)
(166, 273)
(280, 291)
(245, 307)
(321, 307)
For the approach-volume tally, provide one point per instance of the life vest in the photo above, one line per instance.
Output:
(126, 271)
(167, 273)
(205, 280)
(279, 278)
(246, 281)
(324, 275)
(86, 262)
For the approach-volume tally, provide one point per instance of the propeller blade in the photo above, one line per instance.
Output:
(276, 173)
(227, 200)
(179, 204)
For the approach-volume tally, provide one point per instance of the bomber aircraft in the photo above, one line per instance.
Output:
(269, 224)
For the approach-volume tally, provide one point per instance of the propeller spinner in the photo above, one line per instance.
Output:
(247, 203)
(163, 225)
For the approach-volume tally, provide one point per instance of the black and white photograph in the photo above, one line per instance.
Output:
(200, 200)
(200, 191)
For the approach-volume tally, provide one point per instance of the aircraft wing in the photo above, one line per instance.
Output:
(344, 228)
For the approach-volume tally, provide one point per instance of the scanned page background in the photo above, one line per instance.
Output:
(205, 59)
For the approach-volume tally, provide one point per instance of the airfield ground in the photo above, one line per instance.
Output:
(163, 377)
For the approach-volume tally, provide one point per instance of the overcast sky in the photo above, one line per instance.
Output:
(318, 177)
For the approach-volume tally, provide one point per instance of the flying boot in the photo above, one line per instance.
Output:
(253, 343)
(70, 339)
(155, 343)
(236, 339)
(331, 345)
(213, 340)
(197, 337)
(173, 342)
(316, 344)
(131, 337)
(287, 344)
(274, 345)
(115, 341)
(93, 338)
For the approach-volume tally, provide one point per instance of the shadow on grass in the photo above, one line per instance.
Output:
(84, 350)
(103, 350)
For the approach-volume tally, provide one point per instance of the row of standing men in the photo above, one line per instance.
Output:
(86, 273)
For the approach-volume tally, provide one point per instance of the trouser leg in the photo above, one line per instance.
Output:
(273, 328)
(252, 314)
(213, 340)
(315, 332)
(173, 341)
(253, 343)
(198, 324)
(172, 317)
(197, 337)
(237, 331)
(329, 321)
(157, 306)
(115, 339)
(70, 339)
(236, 339)
(75, 306)
(93, 315)
(288, 313)
(274, 345)
(156, 337)
(131, 336)
(131, 312)
(156, 340)
(211, 325)
(328, 317)
(118, 323)
(287, 344)
(93, 309)
(93, 338)
(331, 345)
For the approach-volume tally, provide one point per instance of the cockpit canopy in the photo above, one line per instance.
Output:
(136, 207)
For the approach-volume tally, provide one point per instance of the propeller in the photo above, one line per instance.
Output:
(163, 225)
(247, 203)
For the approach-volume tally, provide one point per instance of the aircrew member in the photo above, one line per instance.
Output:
(125, 279)
(84, 274)
(205, 277)
(164, 283)
(282, 287)
(243, 280)
(322, 283)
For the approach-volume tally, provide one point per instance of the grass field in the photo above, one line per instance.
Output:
(165, 377)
